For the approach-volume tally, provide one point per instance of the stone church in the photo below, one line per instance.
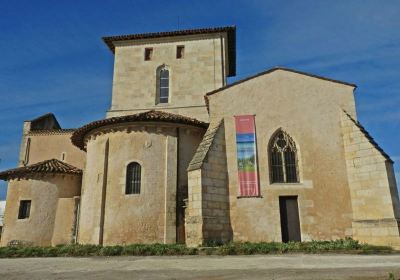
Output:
(182, 156)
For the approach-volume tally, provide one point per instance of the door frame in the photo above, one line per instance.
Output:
(285, 226)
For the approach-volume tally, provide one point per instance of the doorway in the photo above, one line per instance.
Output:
(290, 222)
(181, 197)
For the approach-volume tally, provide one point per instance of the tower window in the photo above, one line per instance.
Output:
(133, 178)
(283, 159)
(163, 91)
(148, 54)
(24, 209)
(180, 52)
(27, 150)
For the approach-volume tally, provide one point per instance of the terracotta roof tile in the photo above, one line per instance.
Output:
(51, 166)
(78, 136)
(51, 131)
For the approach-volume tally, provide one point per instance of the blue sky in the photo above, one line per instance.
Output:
(53, 59)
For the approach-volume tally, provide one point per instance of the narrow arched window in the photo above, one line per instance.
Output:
(283, 159)
(133, 178)
(27, 151)
(163, 90)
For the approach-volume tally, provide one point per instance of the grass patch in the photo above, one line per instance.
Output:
(235, 248)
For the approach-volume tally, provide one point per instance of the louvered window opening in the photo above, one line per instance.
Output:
(283, 159)
(133, 178)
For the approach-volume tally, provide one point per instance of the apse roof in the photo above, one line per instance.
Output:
(51, 166)
(78, 136)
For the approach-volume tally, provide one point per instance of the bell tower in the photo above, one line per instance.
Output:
(170, 71)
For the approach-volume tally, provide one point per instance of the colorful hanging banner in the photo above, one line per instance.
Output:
(247, 155)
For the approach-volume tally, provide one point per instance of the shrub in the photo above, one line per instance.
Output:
(347, 245)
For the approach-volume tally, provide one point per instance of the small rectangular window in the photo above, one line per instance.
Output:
(24, 209)
(180, 52)
(148, 54)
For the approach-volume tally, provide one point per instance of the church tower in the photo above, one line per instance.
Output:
(170, 71)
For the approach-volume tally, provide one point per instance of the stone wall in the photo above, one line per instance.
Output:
(147, 217)
(207, 214)
(309, 110)
(49, 145)
(374, 196)
(65, 221)
(202, 69)
(45, 193)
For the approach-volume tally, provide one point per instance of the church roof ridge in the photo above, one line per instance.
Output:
(230, 29)
(51, 166)
(273, 70)
(78, 136)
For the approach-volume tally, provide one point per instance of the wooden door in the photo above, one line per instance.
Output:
(181, 197)
(290, 222)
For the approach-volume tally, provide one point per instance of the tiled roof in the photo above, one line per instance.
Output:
(51, 131)
(52, 166)
(231, 31)
(204, 146)
(370, 138)
(78, 136)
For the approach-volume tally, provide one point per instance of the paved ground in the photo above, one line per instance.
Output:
(204, 267)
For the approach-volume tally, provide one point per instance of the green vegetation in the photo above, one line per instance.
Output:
(392, 277)
(313, 247)
(337, 246)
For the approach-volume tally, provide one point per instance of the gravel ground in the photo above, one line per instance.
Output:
(204, 267)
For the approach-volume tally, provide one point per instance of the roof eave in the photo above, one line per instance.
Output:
(230, 30)
(275, 69)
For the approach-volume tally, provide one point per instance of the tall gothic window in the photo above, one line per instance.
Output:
(133, 178)
(163, 89)
(283, 159)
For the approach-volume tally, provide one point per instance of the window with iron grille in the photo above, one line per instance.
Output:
(133, 178)
(283, 159)
(163, 94)
(24, 209)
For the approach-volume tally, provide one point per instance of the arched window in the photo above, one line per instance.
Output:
(163, 87)
(283, 159)
(133, 178)
(27, 151)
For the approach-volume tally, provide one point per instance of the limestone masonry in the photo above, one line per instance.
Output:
(170, 163)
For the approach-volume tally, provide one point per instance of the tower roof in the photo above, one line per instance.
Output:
(230, 30)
